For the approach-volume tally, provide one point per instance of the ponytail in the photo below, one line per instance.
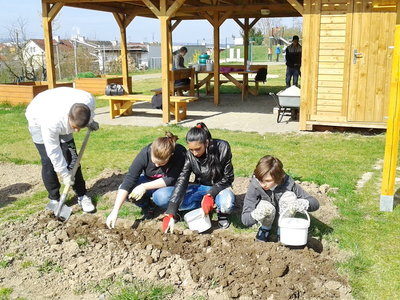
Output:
(163, 147)
(201, 134)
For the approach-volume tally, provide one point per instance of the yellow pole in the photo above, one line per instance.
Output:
(392, 133)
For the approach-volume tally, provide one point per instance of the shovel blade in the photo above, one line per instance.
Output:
(65, 211)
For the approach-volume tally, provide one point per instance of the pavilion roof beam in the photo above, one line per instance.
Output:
(176, 23)
(250, 7)
(297, 6)
(152, 7)
(79, 1)
(54, 10)
(112, 9)
(174, 7)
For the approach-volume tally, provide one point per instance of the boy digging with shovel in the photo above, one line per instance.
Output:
(53, 116)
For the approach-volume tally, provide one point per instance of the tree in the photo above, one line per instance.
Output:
(19, 64)
(255, 35)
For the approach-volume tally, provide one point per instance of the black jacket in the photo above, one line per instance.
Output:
(201, 169)
(143, 164)
(293, 56)
(255, 193)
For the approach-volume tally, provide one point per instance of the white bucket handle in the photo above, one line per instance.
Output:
(303, 211)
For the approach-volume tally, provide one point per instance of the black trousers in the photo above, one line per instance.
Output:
(50, 178)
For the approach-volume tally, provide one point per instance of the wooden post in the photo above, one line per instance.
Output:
(246, 41)
(392, 132)
(165, 61)
(48, 14)
(123, 22)
(216, 59)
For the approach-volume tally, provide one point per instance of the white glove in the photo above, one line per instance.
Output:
(93, 126)
(138, 192)
(264, 213)
(67, 179)
(112, 219)
(289, 202)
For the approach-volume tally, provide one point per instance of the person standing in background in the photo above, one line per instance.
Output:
(269, 53)
(277, 52)
(293, 62)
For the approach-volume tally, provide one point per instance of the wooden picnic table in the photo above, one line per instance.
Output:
(243, 84)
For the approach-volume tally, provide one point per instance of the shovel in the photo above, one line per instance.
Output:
(61, 211)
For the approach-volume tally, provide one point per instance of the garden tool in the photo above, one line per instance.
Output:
(62, 211)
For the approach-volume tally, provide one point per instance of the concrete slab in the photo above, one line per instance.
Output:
(256, 114)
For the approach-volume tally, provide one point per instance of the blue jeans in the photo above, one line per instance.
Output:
(160, 196)
(292, 72)
(225, 200)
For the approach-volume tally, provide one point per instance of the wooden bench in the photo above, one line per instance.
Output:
(178, 89)
(122, 105)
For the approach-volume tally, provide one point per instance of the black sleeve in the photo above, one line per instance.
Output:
(179, 192)
(138, 165)
(175, 165)
(228, 176)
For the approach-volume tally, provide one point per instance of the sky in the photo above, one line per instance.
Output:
(98, 25)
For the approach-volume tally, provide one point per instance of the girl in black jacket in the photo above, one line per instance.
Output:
(156, 167)
(211, 162)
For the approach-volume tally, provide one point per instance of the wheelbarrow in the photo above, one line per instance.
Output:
(287, 105)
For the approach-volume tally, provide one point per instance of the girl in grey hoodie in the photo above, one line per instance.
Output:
(270, 189)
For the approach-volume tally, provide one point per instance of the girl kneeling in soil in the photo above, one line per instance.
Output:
(271, 188)
(211, 162)
(156, 166)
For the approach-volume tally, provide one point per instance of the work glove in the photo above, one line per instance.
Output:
(112, 219)
(264, 213)
(93, 126)
(137, 192)
(168, 223)
(68, 180)
(207, 204)
(289, 202)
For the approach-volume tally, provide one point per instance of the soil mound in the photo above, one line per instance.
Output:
(42, 258)
(72, 256)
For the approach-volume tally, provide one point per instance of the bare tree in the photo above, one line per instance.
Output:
(266, 25)
(20, 65)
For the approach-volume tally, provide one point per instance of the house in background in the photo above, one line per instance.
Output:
(106, 53)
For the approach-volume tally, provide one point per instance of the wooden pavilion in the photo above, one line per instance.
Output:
(349, 52)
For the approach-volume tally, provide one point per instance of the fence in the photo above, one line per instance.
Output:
(155, 63)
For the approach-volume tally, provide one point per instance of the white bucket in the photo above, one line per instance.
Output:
(197, 67)
(209, 67)
(196, 220)
(293, 231)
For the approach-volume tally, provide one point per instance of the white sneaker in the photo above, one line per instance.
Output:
(86, 204)
(52, 205)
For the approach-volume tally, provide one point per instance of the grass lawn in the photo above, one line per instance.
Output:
(371, 237)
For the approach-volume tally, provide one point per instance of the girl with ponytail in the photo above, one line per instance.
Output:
(157, 166)
(211, 162)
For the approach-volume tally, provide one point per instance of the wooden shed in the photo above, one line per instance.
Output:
(347, 62)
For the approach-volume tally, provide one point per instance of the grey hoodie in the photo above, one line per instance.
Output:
(255, 193)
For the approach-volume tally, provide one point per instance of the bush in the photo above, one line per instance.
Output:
(86, 75)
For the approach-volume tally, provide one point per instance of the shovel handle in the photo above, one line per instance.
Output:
(62, 200)
(78, 160)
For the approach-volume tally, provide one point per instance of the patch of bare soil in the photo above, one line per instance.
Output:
(48, 259)
(17, 180)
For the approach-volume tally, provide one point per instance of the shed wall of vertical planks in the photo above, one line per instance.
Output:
(347, 62)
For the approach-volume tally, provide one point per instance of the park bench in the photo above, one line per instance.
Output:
(122, 105)
(177, 88)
